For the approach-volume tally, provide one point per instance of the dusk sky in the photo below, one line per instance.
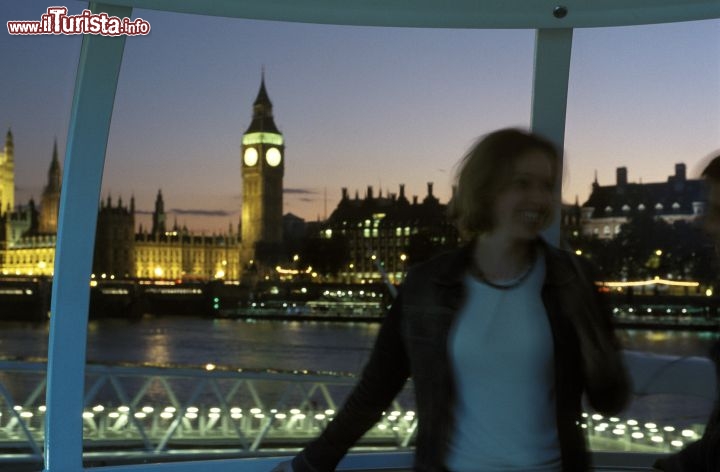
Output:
(357, 106)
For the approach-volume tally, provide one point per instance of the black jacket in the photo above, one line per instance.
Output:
(412, 342)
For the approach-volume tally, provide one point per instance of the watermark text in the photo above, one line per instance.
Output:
(57, 21)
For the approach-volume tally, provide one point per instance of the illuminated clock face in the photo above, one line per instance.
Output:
(273, 157)
(250, 157)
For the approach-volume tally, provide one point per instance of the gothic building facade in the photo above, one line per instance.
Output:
(50, 203)
(263, 166)
(176, 253)
(28, 233)
(7, 175)
(120, 251)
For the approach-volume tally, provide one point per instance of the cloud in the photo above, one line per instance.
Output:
(195, 212)
(299, 191)
(191, 212)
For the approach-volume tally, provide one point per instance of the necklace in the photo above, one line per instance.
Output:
(510, 284)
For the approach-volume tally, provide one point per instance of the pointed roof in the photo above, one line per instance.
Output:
(55, 164)
(9, 146)
(262, 121)
(54, 173)
(262, 98)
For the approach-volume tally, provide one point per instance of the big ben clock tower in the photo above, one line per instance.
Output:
(263, 164)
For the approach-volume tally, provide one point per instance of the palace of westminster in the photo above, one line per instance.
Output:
(379, 231)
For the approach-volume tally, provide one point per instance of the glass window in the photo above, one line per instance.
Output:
(645, 72)
(184, 102)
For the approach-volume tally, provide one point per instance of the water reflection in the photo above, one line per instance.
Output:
(678, 343)
(262, 344)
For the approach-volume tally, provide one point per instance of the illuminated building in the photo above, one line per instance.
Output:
(263, 164)
(50, 203)
(388, 233)
(24, 248)
(7, 175)
(28, 237)
(28, 234)
(609, 207)
(177, 253)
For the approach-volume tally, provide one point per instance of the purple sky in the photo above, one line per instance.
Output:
(357, 106)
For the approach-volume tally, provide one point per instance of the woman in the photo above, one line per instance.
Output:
(501, 337)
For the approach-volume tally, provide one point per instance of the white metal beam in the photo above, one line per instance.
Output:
(527, 14)
(549, 98)
(95, 86)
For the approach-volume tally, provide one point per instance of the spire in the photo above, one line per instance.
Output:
(9, 146)
(262, 98)
(159, 202)
(54, 174)
(132, 204)
(158, 217)
(50, 203)
(262, 120)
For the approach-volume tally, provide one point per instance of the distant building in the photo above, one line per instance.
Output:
(28, 238)
(7, 175)
(387, 234)
(24, 248)
(570, 220)
(28, 234)
(50, 203)
(609, 207)
(263, 166)
(115, 240)
(176, 253)
(294, 227)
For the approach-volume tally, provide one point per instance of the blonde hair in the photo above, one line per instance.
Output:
(485, 171)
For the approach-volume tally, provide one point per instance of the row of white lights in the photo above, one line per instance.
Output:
(342, 293)
(647, 431)
(595, 422)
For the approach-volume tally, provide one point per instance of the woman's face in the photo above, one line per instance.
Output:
(525, 206)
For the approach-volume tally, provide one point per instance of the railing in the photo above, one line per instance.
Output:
(155, 410)
(140, 412)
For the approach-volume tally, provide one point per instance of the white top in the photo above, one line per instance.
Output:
(501, 352)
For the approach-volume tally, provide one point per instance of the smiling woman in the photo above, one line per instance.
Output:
(501, 337)
(96, 84)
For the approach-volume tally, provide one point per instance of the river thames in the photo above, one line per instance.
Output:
(263, 344)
